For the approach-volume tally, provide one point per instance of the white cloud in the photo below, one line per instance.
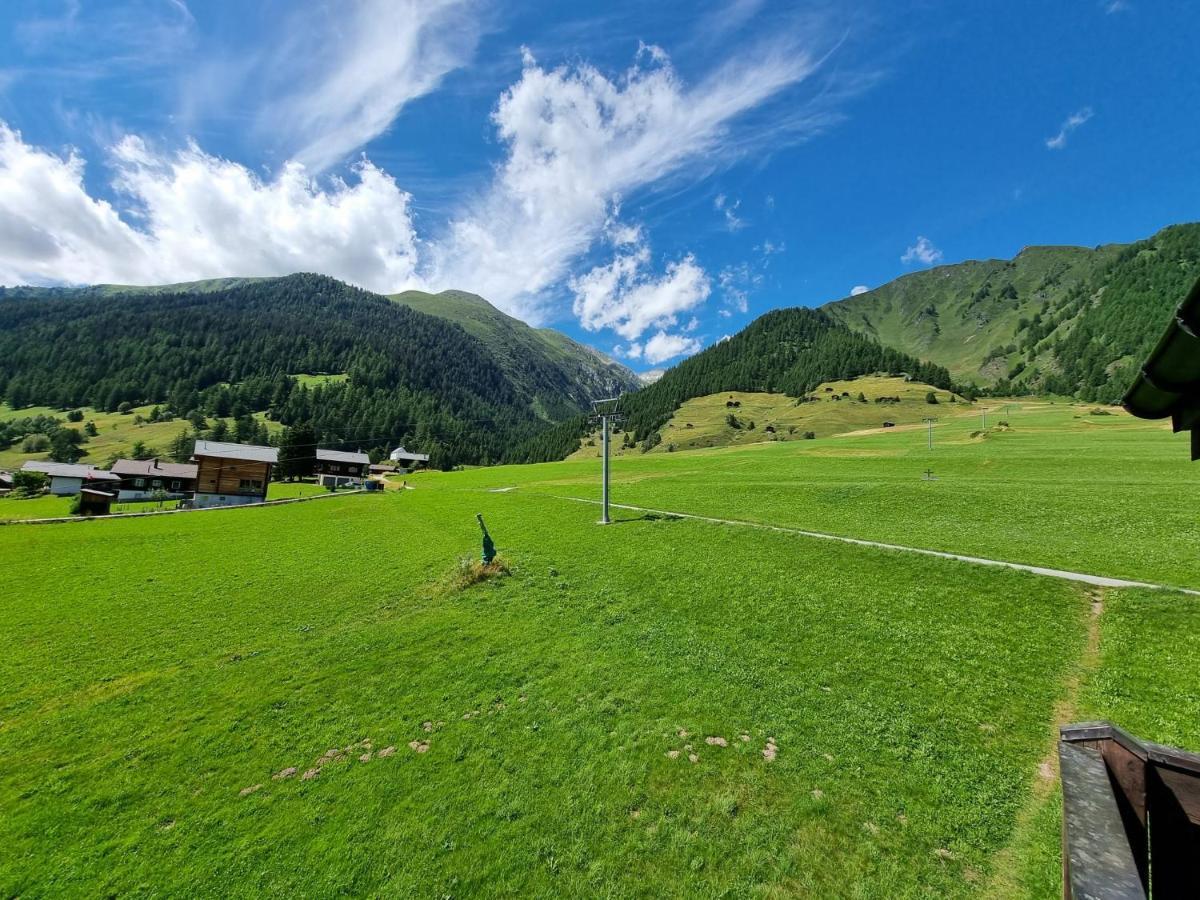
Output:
(729, 210)
(377, 56)
(577, 140)
(923, 252)
(198, 216)
(1073, 121)
(626, 298)
(1115, 6)
(858, 289)
(665, 346)
(736, 284)
(574, 142)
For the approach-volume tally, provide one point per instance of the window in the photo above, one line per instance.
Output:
(334, 467)
(174, 485)
(156, 483)
(250, 484)
(139, 482)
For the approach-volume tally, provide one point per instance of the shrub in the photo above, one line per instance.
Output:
(124, 408)
(732, 421)
(75, 415)
(27, 484)
(35, 443)
(810, 435)
(931, 397)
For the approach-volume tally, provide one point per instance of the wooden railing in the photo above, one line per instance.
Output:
(1131, 816)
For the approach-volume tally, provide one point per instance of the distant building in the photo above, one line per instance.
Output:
(340, 468)
(382, 469)
(408, 461)
(6, 482)
(142, 479)
(232, 474)
(68, 479)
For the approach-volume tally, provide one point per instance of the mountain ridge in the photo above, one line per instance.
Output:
(1053, 319)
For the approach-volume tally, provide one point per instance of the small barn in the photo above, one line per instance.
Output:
(340, 468)
(143, 479)
(68, 479)
(232, 474)
(93, 502)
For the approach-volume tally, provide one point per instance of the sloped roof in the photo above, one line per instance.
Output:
(1169, 382)
(68, 470)
(248, 452)
(400, 453)
(343, 456)
(153, 468)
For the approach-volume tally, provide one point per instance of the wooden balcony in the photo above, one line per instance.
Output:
(1131, 816)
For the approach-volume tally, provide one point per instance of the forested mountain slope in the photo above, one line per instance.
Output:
(561, 375)
(788, 351)
(1065, 320)
(230, 349)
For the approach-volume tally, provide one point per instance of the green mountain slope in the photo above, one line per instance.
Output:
(787, 351)
(234, 348)
(1057, 319)
(559, 374)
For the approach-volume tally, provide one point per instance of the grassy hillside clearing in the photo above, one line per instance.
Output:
(702, 422)
(117, 433)
(831, 414)
(543, 723)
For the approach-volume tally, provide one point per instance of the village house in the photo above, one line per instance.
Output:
(338, 468)
(408, 461)
(68, 479)
(232, 474)
(383, 469)
(144, 479)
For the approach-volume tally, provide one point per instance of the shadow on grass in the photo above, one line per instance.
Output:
(648, 517)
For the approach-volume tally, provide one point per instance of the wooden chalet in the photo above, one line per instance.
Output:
(339, 468)
(144, 479)
(232, 474)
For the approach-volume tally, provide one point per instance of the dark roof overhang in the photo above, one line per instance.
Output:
(1169, 382)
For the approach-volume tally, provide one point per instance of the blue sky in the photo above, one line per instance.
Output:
(645, 177)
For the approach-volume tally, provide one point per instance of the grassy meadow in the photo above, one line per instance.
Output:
(863, 722)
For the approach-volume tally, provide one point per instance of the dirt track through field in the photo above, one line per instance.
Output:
(1100, 581)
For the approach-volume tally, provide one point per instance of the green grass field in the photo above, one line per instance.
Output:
(161, 671)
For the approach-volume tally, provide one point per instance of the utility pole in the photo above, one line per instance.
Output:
(983, 412)
(605, 412)
(929, 420)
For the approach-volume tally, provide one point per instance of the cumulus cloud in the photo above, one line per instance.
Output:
(197, 216)
(858, 289)
(1072, 122)
(922, 252)
(665, 346)
(628, 298)
(576, 141)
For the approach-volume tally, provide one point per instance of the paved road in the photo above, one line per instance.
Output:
(1081, 577)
